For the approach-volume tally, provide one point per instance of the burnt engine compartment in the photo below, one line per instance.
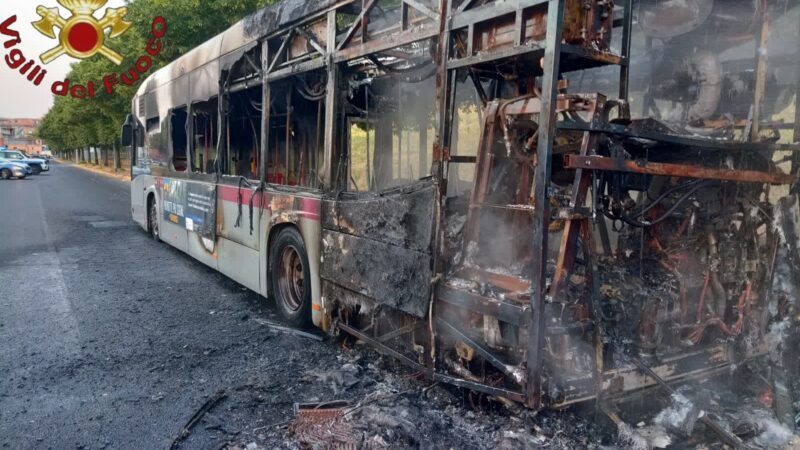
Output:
(663, 244)
(686, 268)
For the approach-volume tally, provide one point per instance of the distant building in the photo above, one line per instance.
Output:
(18, 134)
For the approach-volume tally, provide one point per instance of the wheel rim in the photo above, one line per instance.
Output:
(4, 174)
(291, 281)
(153, 219)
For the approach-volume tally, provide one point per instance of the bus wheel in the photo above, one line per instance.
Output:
(290, 277)
(152, 218)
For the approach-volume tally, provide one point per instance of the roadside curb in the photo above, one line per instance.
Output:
(118, 176)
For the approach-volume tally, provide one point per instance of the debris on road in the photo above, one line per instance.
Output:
(288, 330)
(207, 406)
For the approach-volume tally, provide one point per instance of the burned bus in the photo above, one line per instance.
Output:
(427, 177)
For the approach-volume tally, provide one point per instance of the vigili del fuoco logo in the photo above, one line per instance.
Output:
(82, 36)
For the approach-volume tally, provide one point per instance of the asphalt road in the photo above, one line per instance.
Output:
(111, 340)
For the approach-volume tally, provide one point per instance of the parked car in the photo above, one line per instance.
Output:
(26, 167)
(10, 169)
(37, 165)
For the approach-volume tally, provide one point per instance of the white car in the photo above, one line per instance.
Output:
(10, 169)
(37, 165)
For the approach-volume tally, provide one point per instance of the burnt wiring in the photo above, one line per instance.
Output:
(632, 219)
(243, 182)
(312, 95)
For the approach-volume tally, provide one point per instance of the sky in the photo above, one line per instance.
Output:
(19, 98)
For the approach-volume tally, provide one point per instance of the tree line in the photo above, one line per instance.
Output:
(73, 124)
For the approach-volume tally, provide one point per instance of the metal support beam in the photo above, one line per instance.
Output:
(512, 372)
(356, 25)
(541, 216)
(675, 170)
(313, 41)
(281, 49)
(762, 59)
(331, 106)
(422, 8)
(625, 69)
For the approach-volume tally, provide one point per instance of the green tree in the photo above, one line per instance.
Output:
(73, 124)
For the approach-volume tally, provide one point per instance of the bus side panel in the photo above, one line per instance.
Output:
(239, 262)
(139, 187)
(172, 234)
(228, 216)
(237, 243)
(197, 250)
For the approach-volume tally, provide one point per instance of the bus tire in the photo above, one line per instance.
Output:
(152, 219)
(290, 277)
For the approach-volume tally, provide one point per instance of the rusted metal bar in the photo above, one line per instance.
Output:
(541, 216)
(580, 189)
(675, 170)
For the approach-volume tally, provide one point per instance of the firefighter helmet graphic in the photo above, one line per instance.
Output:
(82, 35)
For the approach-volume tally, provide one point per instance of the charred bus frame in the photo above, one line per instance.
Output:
(543, 39)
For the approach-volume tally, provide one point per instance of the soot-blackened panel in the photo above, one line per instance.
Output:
(401, 217)
(391, 275)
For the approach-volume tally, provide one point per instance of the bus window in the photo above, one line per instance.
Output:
(295, 154)
(391, 136)
(244, 133)
(155, 150)
(362, 151)
(206, 134)
(179, 137)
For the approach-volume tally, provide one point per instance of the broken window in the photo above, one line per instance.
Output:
(242, 110)
(295, 152)
(243, 133)
(156, 144)
(391, 121)
(206, 134)
(179, 137)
